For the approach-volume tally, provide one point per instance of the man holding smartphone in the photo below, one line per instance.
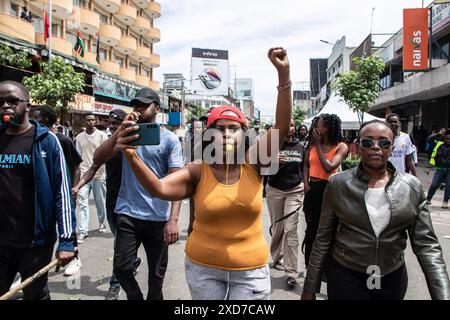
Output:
(141, 218)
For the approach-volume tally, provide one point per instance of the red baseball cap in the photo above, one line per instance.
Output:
(218, 114)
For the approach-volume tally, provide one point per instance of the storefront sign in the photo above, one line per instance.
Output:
(103, 108)
(415, 40)
(83, 103)
(108, 88)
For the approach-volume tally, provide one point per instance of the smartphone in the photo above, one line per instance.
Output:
(149, 135)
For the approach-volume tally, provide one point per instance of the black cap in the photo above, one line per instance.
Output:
(118, 114)
(204, 118)
(147, 96)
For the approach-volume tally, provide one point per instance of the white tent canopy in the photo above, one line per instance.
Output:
(337, 105)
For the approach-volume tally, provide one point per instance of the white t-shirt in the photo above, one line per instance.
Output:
(377, 205)
(402, 147)
(86, 146)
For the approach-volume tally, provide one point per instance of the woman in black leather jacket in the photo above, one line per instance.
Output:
(367, 214)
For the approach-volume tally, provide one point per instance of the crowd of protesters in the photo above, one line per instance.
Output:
(356, 220)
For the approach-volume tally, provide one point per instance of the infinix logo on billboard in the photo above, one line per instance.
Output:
(415, 40)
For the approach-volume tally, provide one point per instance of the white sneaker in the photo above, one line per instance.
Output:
(17, 281)
(73, 267)
(102, 228)
(444, 205)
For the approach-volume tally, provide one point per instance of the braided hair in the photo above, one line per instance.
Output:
(333, 124)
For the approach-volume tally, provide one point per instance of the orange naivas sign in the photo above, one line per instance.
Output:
(415, 39)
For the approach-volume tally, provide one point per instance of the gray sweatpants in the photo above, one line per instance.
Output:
(206, 283)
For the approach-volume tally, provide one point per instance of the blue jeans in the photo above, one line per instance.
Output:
(439, 177)
(98, 187)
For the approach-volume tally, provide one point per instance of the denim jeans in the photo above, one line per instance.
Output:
(439, 177)
(207, 283)
(98, 187)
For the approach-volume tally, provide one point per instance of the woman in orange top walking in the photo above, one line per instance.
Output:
(324, 155)
(226, 253)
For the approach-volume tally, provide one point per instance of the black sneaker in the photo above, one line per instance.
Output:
(113, 293)
(137, 264)
(291, 282)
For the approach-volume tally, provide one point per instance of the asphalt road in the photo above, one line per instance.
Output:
(96, 254)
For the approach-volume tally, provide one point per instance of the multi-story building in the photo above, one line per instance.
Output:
(126, 33)
(420, 99)
(324, 72)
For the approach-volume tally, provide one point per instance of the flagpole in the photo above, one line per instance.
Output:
(50, 29)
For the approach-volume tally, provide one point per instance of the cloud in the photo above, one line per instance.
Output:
(248, 28)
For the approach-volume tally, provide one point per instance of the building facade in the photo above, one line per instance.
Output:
(124, 29)
(420, 99)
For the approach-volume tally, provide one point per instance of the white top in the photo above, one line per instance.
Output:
(402, 147)
(377, 205)
(86, 145)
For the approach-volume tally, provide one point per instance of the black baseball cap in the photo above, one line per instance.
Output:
(147, 96)
(118, 114)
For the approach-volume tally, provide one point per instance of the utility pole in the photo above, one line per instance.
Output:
(50, 11)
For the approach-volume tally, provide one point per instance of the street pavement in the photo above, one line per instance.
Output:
(96, 254)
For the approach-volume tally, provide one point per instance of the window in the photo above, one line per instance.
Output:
(103, 18)
(120, 61)
(340, 64)
(103, 54)
(72, 38)
(133, 67)
(38, 25)
(123, 31)
(14, 11)
(56, 30)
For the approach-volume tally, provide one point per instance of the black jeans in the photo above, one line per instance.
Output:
(26, 262)
(347, 284)
(312, 206)
(130, 234)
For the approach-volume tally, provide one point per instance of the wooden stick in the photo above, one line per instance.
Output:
(28, 281)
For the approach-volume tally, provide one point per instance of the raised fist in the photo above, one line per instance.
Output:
(278, 56)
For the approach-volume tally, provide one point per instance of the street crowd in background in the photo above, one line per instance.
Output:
(357, 219)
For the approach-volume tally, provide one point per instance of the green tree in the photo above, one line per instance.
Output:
(56, 86)
(360, 88)
(196, 111)
(298, 115)
(14, 58)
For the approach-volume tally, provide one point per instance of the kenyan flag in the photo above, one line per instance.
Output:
(79, 46)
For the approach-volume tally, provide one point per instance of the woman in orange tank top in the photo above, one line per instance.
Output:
(324, 155)
(227, 255)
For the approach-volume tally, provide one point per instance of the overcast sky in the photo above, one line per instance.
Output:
(248, 28)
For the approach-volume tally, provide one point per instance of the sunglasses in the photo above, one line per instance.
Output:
(369, 143)
(11, 101)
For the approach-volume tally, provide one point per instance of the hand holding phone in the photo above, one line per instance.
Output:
(149, 135)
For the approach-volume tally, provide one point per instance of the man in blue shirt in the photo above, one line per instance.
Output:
(141, 218)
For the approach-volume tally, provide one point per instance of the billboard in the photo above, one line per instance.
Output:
(363, 51)
(244, 89)
(209, 72)
(415, 40)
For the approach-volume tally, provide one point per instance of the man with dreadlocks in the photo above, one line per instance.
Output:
(324, 155)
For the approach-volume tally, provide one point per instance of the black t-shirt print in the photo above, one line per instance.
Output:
(17, 188)
(290, 173)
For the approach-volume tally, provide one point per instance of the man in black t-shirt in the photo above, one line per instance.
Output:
(47, 116)
(35, 195)
(284, 200)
